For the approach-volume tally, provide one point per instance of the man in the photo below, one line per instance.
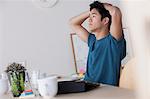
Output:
(107, 46)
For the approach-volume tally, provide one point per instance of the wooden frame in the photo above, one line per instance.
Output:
(79, 53)
(74, 56)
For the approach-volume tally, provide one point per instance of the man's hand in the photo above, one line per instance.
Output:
(107, 5)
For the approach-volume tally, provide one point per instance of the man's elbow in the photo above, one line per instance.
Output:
(73, 22)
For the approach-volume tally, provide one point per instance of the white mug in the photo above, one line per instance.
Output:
(48, 86)
(3, 86)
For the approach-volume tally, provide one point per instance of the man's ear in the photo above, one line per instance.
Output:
(106, 20)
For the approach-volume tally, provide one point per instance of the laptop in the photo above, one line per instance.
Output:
(75, 86)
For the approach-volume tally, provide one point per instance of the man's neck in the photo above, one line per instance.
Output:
(101, 34)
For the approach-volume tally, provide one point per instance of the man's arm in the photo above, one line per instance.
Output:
(76, 25)
(116, 25)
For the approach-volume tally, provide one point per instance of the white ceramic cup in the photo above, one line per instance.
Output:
(3, 86)
(48, 86)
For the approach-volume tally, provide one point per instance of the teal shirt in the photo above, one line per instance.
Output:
(104, 59)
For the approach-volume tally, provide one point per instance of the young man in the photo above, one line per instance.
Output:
(107, 46)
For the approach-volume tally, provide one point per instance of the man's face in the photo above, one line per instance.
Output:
(94, 20)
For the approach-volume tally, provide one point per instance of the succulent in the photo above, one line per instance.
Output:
(15, 67)
(16, 75)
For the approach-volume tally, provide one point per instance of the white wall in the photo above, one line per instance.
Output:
(39, 36)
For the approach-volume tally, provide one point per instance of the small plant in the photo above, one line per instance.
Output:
(16, 75)
(15, 67)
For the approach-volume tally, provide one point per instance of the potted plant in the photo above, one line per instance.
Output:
(16, 76)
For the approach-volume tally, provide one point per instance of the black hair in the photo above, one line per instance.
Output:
(101, 9)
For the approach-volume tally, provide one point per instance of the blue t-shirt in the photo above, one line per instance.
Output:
(104, 59)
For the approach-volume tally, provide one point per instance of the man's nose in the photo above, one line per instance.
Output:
(90, 20)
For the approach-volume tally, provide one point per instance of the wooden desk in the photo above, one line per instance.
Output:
(103, 92)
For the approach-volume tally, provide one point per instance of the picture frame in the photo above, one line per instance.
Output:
(80, 53)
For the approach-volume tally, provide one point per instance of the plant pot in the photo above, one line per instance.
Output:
(17, 80)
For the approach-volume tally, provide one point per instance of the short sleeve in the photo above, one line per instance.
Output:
(121, 44)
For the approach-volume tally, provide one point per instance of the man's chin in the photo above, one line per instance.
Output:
(92, 31)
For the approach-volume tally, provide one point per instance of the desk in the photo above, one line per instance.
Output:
(103, 92)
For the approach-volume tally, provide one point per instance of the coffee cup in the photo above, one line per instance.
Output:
(48, 86)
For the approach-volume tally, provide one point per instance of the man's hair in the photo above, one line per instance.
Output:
(101, 9)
